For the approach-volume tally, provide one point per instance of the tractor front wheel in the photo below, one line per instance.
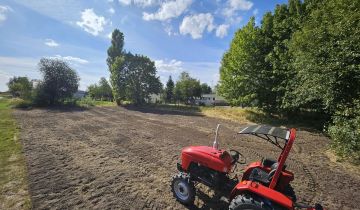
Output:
(183, 189)
(247, 202)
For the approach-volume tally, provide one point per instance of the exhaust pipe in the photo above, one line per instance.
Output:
(216, 144)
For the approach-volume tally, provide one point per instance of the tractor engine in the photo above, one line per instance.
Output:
(208, 165)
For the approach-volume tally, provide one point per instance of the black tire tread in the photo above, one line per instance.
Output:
(289, 191)
(247, 201)
(186, 177)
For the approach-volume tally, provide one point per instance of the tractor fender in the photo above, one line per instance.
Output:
(263, 192)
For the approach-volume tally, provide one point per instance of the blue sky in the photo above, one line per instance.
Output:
(179, 35)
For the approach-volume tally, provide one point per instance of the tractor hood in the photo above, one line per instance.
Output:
(219, 160)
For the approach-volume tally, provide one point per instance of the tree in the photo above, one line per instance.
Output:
(20, 87)
(326, 58)
(303, 57)
(117, 65)
(187, 88)
(59, 82)
(100, 91)
(205, 89)
(116, 48)
(240, 79)
(141, 79)
(105, 89)
(169, 90)
(133, 77)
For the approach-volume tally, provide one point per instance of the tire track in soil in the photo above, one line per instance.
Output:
(114, 158)
(306, 171)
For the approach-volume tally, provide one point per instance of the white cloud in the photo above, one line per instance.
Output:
(109, 36)
(51, 43)
(255, 12)
(91, 22)
(125, 2)
(71, 59)
(236, 5)
(111, 11)
(195, 25)
(221, 30)
(140, 3)
(168, 10)
(3, 12)
(171, 66)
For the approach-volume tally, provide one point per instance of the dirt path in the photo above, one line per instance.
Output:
(114, 158)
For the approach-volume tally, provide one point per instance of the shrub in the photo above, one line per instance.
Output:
(59, 82)
(20, 87)
(87, 101)
(345, 132)
(20, 103)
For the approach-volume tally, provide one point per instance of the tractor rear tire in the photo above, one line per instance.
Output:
(183, 188)
(247, 202)
(289, 191)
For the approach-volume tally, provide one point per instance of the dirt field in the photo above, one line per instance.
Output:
(115, 158)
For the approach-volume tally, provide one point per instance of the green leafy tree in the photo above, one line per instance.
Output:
(133, 77)
(116, 48)
(187, 88)
(117, 65)
(59, 82)
(303, 57)
(141, 79)
(169, 90)
(326, 58)
(105, 89)
(100, 91)
(239, 72)
(20, 87)
(93, 91)
(205, 89)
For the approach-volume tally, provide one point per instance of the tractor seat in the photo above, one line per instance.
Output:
(271, 163)
(262, 176)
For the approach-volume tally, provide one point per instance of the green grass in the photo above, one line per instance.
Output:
(304, 120)
(13, 181)
(87, 102)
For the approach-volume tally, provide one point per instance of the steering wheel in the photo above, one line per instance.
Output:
(236, 155)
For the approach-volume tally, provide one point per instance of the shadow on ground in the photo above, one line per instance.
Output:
(209, 202)
(61, 109)
(312, 122)
(166, 110)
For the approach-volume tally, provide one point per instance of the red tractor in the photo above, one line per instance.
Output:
(265, 185)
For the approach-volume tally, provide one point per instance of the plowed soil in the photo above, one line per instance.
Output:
(117, 158)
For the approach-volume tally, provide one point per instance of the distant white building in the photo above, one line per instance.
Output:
(211, 100)
(154, 98)
(79, 94)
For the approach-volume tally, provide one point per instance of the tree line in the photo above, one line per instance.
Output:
(132, 80)
(186, 89)
(304, 56)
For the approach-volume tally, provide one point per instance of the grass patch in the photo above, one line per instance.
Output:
(236, 114)
(20, 103)
(304, 120)
(87, 102)
(13, 180)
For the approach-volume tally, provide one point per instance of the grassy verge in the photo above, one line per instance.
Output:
(306, 121)
(87, 102)
(13, 180)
